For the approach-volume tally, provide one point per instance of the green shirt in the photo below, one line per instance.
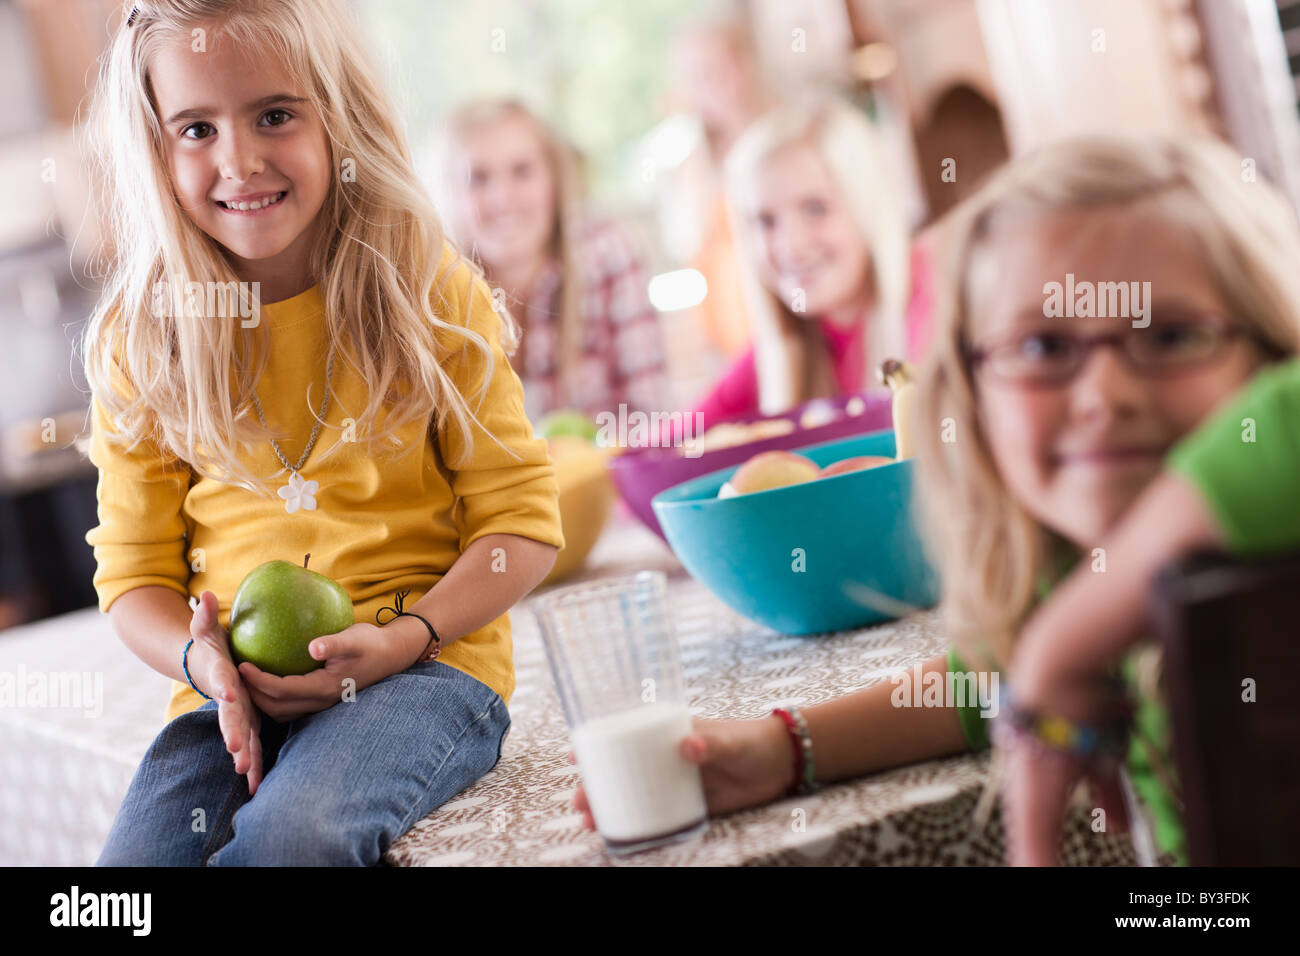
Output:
(973, 719)
(1245, 461)
(974, 722)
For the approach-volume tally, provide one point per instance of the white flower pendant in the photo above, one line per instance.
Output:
(299, 494)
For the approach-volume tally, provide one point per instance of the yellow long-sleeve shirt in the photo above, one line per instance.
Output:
(380, 525)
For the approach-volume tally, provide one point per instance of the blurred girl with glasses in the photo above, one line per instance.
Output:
(1041, 433)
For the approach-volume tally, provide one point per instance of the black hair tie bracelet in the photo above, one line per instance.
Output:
(433, 648)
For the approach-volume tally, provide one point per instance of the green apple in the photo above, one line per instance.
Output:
(567, 421)
(279, 609)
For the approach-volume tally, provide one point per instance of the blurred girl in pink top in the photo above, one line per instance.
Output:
(833, 284)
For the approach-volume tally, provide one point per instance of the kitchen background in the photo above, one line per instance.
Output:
(975, 80)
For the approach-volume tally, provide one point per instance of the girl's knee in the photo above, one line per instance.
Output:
(308, 843)
(306, 835)
(142, 846)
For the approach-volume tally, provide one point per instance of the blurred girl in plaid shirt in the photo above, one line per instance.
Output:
(576, 285)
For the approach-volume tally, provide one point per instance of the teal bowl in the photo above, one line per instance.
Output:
(824, 555)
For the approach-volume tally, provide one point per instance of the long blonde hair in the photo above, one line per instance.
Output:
(789, 352)
(565, 166)
(992, 555)
(376, 259)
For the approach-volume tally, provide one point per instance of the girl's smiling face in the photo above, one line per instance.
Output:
(1077, 454)
(807, 238)
(238, 132)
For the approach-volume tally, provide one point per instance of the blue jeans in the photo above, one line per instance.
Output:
(339, 786)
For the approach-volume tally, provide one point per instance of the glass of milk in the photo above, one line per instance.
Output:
(613, 654)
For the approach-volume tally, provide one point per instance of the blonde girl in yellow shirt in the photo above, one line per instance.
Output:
(289, 358)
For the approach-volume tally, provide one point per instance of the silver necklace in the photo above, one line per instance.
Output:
(299, 493)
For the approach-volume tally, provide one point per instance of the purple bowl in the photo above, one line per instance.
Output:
(641, 473)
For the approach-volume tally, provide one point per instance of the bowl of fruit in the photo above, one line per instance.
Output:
(641, 473)
(586, 494)
(808, 540)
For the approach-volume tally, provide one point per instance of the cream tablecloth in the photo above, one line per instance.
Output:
(64, 770)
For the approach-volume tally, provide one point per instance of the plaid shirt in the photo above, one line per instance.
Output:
(621, 359)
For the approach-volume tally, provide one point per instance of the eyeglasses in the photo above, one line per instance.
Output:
(1055, 356)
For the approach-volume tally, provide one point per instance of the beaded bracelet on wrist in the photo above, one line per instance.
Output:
(805, 768)
(185, 666)
(1105, 741)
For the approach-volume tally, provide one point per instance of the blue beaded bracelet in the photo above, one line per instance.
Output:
(185, 666)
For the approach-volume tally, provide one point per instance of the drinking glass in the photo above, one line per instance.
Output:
(613, 655)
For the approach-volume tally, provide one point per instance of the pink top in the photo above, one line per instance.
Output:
(736, 393)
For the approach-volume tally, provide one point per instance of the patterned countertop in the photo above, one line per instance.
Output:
(733, 668)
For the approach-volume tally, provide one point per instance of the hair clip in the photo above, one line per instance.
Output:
(130, 20)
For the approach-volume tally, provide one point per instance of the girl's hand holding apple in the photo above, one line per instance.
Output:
(364, 652)
(743, 763)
